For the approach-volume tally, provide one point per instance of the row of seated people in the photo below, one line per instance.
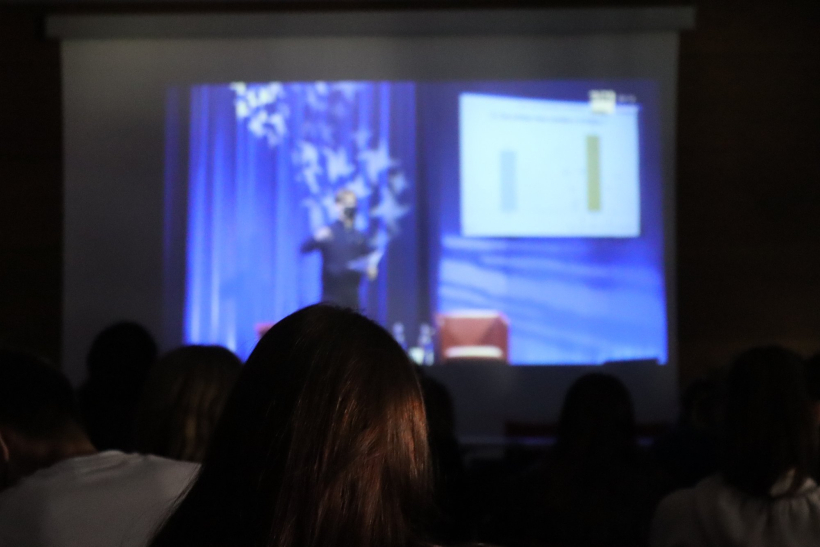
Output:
(329, 436)
(739, 469)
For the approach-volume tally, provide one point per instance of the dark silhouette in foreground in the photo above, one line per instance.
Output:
(118, 364)
(688, 452)
(764, 493)
(62, 492)
(323, 442)
(596, 487)
(183, 399)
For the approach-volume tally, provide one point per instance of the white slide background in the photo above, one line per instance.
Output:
(524, 168)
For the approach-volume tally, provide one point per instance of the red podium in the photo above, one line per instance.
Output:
(474, 335)
(262, 328)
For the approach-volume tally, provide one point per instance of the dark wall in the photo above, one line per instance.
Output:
(748, 205)
(30, 185)
(748, 180)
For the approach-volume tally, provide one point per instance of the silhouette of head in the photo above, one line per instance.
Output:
(183, 398)
(597, 419)
(118, 364)
(121, 354)
(322, 442)
(38, 414)
(767, 429)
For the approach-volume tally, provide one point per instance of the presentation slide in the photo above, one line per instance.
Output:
(510, 221)
(543, 168)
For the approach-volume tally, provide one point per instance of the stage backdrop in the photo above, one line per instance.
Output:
(264, 163)
(569, 300)
(266, 159)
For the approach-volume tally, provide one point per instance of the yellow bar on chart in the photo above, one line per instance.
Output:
(593, 173)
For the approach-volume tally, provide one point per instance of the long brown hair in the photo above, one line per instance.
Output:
(597, 424)
(323, 443)
(182, 401)
(767, 430)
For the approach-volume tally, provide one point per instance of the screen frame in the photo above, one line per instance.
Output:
(382, 22)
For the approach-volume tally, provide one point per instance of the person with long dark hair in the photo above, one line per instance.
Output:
(323, 443)
(765, 492)
(596, 487)
(183, 398)
(600, 488)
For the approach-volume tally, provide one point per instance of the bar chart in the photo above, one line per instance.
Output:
(544, 168)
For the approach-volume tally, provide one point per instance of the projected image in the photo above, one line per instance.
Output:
(296, 192)
(512, 222)
(534, 168)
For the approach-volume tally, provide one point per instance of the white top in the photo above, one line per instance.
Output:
(109, 499)
(713, 514)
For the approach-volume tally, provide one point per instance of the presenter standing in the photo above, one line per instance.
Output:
(346, 254)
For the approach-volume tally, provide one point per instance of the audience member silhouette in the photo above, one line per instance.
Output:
(813, 389)
(596, 486)
(764, 493)
(323, 442)
(183, 398)
(117, 364)
(448, 467)
(60, 491)
(38, 418)
(688, 452)
(813, 384)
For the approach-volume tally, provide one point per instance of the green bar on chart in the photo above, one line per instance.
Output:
(508, 193)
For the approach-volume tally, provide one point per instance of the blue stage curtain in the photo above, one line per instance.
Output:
(261, 177)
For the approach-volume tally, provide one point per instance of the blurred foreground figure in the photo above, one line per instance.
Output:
(813, 385)
(596, 488)
(323, 443)
(60, 491)
(118, 364)
(183, 399)
(688, 453)
(764, 494)
(449, 479)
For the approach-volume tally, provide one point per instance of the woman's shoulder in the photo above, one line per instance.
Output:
(715, 490)
(715, 510)
(676, 517)
(682, 502)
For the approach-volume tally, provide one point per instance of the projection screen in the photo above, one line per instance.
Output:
(512, 170)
